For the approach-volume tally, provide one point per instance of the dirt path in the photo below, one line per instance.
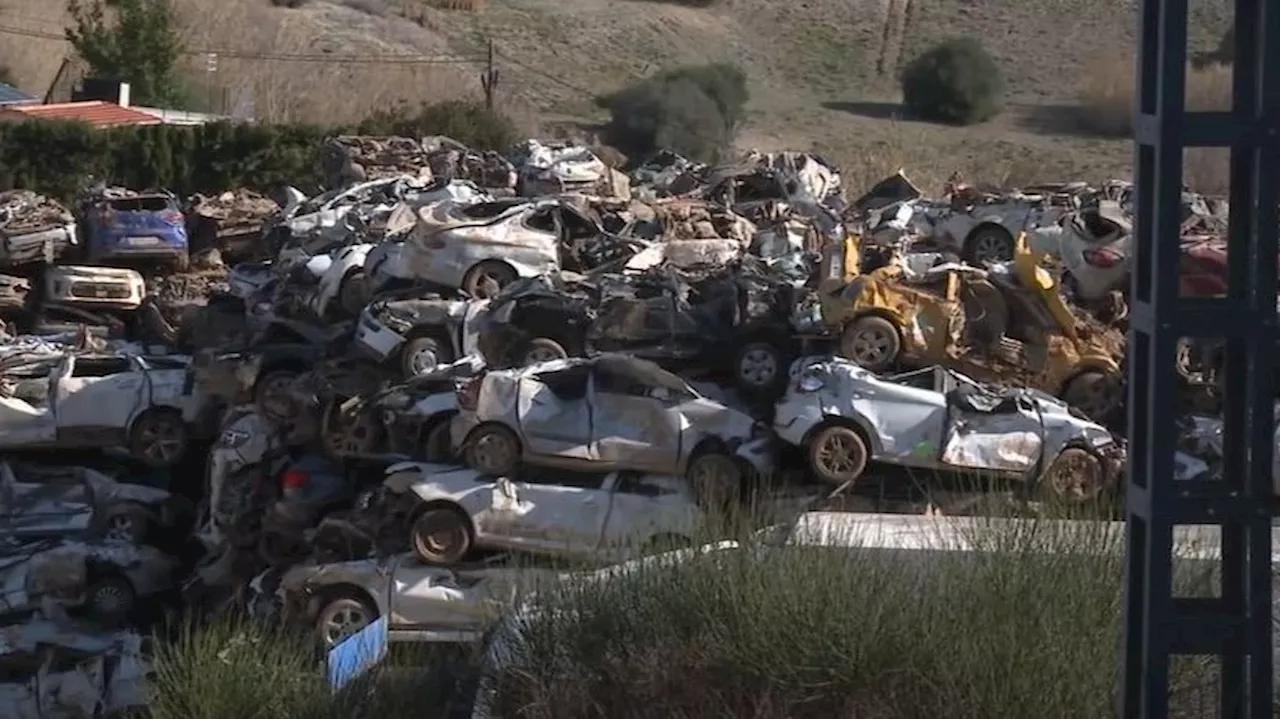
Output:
(897, 15)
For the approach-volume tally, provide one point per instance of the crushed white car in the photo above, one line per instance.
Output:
(104, 287)
(105, 578)
(845, 416)
(611, 411)
(87, 399)
(418, 335)
(603, 516)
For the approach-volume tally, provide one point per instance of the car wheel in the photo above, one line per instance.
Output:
(159, 438)
(436, 443)
(715, 479)
(110, 600)
(273, 395)
(494, 451)
(1095, 394)
(440, 536)
(352, 436)
(541, 349)
(423, 354)
(872, 342)
(342, 617)
(838, 454)
(1077, 475)
(759, 366)
(486, 279)
(126, 523)
(989, 244)
(354, 293)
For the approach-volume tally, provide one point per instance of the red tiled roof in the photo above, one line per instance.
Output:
(95, 112)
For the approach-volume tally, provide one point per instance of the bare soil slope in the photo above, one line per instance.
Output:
(823, 72)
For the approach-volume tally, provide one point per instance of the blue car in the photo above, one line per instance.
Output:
(121, 226)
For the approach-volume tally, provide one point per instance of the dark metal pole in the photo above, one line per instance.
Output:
(1236, 626)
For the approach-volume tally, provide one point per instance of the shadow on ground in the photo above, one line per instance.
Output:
(1050, 120)
(873, 110)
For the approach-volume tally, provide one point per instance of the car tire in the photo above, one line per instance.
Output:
(871, 342)
(837, 455)
(1093, 393)
(353, 295)
(541, 349)
(759, 367)
(988, 243)
(493, 451)
(352, 436)
(126, 522)
(437, 444)
(1076, 475)
(419, 350)
(341, 617)
(441, 537)
(488, 278)
(271, 395)
(110, 600)
(715, 478)
(159, 438)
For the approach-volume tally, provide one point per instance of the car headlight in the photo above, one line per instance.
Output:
(810, 383)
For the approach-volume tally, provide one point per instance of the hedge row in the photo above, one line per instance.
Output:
(57, 158)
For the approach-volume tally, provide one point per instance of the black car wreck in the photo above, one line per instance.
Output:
(732, 319)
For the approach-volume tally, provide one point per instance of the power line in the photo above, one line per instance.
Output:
(545, 75)
(290, 57)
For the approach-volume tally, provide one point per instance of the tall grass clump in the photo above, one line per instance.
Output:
(1020, 627)
(1108, 102)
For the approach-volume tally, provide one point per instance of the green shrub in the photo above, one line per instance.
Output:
(956, 82)
(57, 158)
(692, 110)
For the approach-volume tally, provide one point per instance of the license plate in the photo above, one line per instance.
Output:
(143, 240)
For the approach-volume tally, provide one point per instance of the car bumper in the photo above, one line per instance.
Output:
(157, 250)
(793, 420)
(376, 340)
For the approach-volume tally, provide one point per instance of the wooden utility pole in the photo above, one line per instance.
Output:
(489, 78)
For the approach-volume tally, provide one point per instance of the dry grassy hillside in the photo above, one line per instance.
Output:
(823, 72)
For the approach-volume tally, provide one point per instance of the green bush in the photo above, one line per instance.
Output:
(956, 82)
(693, 110)
(57, 158)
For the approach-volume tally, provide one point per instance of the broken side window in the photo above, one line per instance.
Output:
(646, 485)
(919, 379)
(99, 366)
(541, 221)
(561, 477)
(566, 384)
(608, 381)
(487, 210)
(140, 204)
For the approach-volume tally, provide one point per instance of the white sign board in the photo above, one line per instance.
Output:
(356, 654)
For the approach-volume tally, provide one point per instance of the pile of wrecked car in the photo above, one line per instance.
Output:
(449, 356)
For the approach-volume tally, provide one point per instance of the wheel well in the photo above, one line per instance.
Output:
(325, 595)
(100, 571)
(987, 225)
(153, 410)
(484, 425)
(291, 364)
(447, 506)
(873, 447)
(1101, 371)
(883, 314)
(491, 261)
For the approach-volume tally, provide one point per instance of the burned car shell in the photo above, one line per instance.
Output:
(963, 317)
(733, 320)
(936, 418)
(419, 334)
(55, 670)
(82, 574)
(107, 287)
(602, 516)
(609, 411)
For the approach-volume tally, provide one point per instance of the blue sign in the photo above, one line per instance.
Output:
(356, 654)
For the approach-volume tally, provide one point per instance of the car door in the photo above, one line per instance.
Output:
(43, 502)
(26, 403)
(559, 510)
(441, 599)
(642, 322)
(992, 433)
(555, 414)
(633, 422)
(96, 397)
(647, 506)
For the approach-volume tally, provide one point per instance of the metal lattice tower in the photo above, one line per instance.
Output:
(1236, 627)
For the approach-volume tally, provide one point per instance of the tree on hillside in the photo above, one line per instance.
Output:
(955, 81)
(135, 41)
